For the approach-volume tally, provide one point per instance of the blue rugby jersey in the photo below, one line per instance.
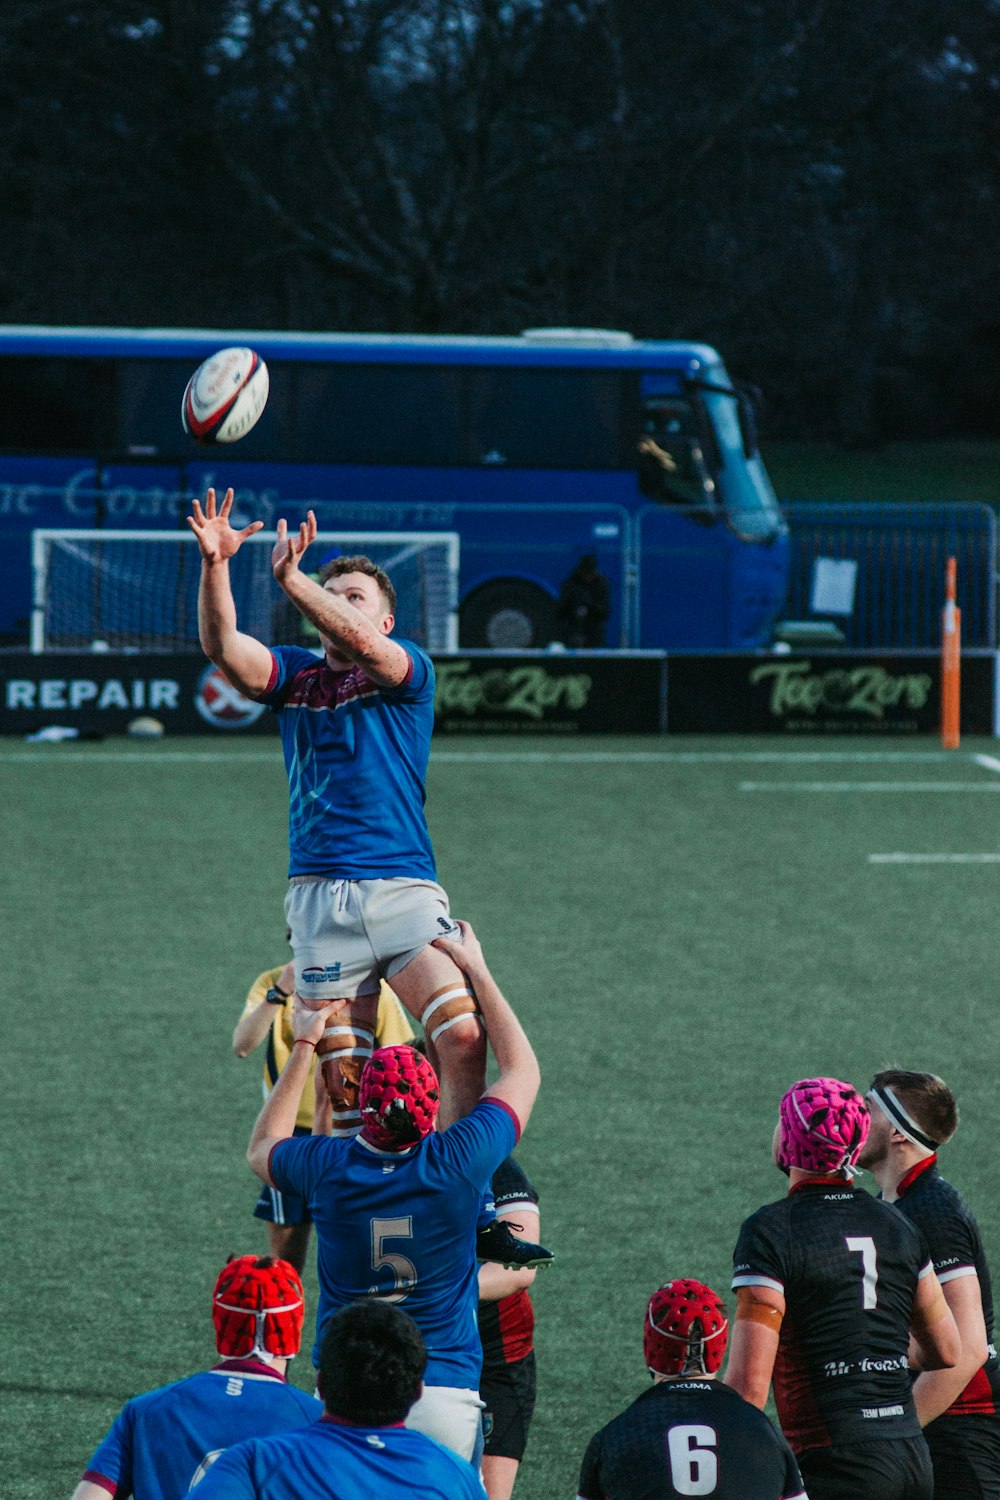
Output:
(356, 756)
(338, 1461)
(159, 1441)
(402, 1225)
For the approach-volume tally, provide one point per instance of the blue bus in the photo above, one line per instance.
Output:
(536, 450)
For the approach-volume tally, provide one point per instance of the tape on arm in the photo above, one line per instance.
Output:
(749, 1310)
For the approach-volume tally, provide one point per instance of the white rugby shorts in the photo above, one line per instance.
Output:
(349, 934)
(453, 1416)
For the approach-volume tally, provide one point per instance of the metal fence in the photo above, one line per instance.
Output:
(900, 552)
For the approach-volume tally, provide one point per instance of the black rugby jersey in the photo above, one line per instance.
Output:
(952, 1234)
(848, 1266)
(690, 1437)
(506, 1327)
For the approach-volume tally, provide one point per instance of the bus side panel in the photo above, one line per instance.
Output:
(683, 580)
(35, 492)
(64, 492)
(532, 525)
(703, 587)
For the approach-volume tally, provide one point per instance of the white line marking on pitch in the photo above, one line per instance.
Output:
(115, 757)
(934, 859)
(988, 762)
(870, 786)
(62, 755)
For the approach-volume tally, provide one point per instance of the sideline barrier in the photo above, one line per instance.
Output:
(534, 692)
(542, 692)
(856, 692)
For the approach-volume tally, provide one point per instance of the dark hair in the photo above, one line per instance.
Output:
(360, 564)
(371, 1363)
(924, 1096)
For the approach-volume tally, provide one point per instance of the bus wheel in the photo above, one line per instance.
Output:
(507, 614)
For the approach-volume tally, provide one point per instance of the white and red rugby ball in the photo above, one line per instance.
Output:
(225, 396)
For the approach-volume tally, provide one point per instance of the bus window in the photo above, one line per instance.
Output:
(378, 414)
(545, 419)
(670, 461)
(55, 405)
(148, 417)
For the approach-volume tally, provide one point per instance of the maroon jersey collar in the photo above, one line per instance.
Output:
(247, 1367)
(345, 1422)
(906, 1182)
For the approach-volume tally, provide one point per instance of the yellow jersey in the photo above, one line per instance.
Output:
(392, 1027)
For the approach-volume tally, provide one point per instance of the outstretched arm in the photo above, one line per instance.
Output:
(519, 1074)
(276, 1121)
(354, 636)
(245, 661)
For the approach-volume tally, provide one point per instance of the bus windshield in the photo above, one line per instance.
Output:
(747, 493)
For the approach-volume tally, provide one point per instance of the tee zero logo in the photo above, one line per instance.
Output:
(221, 705)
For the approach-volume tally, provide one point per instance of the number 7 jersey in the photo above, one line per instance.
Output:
(848, 1267)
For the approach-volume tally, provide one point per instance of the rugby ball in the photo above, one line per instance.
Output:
(225, 396)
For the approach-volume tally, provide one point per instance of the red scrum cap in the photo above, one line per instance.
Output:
(686, 1330)
(398, 1098)
(258, 1309)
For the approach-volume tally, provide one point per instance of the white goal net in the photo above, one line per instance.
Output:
(138, 590)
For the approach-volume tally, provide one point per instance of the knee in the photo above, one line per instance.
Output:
(463, 1042)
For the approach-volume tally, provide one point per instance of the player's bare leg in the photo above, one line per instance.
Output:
(346, 1046)
(289, 1242)
(498, 1476)
(437, 994)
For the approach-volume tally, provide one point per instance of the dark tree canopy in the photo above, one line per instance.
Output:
(810, 186)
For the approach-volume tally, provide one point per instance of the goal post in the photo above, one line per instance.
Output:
(137, 590)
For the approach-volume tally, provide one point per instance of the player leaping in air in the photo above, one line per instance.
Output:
(363, 900)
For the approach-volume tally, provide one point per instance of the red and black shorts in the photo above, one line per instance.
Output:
(509, 1394)
(965, 1452)
(899, 1469)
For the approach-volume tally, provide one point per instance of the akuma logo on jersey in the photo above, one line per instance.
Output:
(220, 705)
(321, 974)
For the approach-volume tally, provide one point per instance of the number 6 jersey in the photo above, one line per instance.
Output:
(689, 1437)
(848, 1267)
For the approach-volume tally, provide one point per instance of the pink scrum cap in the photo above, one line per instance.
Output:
(398, 1097)
(824, 1124)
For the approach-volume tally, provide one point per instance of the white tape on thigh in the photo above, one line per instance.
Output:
(443, 1000)
(447, 1025)
(363, 1033)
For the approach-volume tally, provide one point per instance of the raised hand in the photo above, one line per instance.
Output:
(290, 547)
(217, 539)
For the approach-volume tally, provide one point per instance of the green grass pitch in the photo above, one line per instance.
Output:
(684, 926)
